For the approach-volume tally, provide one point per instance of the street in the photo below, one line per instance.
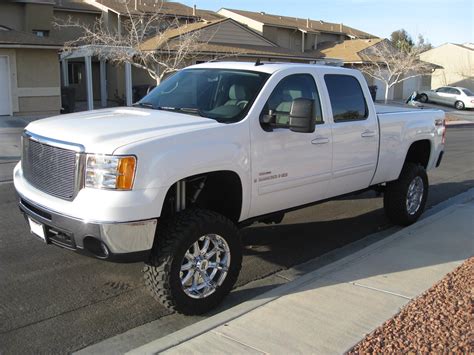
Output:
(56, 301)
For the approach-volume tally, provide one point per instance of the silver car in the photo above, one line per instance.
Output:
(458, 97)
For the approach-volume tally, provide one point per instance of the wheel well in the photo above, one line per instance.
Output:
(218, 191)
(419, 153)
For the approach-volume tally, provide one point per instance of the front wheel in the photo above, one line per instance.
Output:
(405, 198)
(195, 262)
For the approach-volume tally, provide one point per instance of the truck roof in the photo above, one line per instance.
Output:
(265, 67)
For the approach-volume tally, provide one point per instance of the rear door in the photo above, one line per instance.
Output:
(453, 96)
(355, 133)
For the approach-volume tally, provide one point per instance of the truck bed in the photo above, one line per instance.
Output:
(385, 108)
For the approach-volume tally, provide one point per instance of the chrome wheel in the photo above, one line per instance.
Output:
(414, 195)
(205, 266)
(459, 105)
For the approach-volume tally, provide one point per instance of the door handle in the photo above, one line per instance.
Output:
(367, 133)
(320, 140)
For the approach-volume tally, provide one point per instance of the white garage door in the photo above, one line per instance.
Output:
(5, 101)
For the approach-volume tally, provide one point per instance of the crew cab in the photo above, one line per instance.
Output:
(213, 148)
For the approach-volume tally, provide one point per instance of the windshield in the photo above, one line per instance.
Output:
(221, 94)
(468, 92)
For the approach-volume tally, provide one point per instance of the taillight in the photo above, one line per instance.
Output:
(472, 101)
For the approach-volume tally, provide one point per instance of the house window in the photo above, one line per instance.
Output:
(41, 33)
(75, 71)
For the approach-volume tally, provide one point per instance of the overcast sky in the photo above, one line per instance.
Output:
(439, 21)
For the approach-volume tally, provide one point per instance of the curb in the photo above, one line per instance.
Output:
(203, 326)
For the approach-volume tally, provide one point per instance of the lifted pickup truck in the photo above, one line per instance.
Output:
(214, 147)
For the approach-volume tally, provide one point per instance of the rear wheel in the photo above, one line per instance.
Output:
(423, 98)
(459, 105)
(405, 198)
(195, 262)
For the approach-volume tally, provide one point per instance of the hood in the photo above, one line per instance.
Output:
(103, 131)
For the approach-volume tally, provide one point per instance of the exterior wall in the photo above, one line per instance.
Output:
(229, 32)
(283, 37)
(12, 16)
(311, 41)
(418, 83)
(34, 91)
(38, 90)
(38, 17)
(457, 63)
(69, 33)
(329, 37)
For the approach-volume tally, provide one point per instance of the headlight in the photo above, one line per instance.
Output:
(110, 172)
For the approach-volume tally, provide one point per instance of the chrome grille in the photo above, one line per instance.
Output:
(50, 169)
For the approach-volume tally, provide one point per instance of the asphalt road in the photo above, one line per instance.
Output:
(55, 301)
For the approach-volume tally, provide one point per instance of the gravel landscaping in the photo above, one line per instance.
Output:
(439, 321)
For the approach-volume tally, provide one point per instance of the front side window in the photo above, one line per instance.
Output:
(221, 94)
(288, 89)
(347, 98)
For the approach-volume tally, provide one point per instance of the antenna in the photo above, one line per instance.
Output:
(257, 62)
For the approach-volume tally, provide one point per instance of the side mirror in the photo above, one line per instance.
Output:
(302, 117)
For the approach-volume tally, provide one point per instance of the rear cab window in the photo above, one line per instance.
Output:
(347, 98)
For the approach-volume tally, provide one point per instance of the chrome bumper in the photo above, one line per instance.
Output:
(119, 241)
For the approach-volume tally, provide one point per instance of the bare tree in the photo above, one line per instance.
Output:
(390, 65)
(175, 45)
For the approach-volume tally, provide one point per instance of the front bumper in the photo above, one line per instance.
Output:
(120, 241)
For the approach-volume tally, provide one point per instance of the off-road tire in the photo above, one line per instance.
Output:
(173, 238)
(395, 195)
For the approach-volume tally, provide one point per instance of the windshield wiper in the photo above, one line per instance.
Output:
(145, 104)
(192, 110)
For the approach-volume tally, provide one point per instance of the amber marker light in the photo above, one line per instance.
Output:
(126, 173)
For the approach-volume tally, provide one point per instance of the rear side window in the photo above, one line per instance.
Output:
(347, 99)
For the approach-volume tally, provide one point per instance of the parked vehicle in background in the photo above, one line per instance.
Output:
(215, 147)
(458, 97)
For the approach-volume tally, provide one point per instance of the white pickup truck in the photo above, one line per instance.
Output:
(214, 147)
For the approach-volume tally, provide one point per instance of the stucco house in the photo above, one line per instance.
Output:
(294, 33)
(456, 62)
(226, 38)
(29, 67)
(227, 34)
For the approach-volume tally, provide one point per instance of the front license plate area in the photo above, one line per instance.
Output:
(37, 229)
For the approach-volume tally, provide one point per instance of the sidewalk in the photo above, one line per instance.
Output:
(331, 309)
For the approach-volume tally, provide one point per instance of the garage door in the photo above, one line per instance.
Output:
(5, 101)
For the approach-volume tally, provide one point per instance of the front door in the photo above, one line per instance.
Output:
(289, 168)
(5, 97)
(442, 95)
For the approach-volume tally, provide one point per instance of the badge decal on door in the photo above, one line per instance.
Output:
(267, 175)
